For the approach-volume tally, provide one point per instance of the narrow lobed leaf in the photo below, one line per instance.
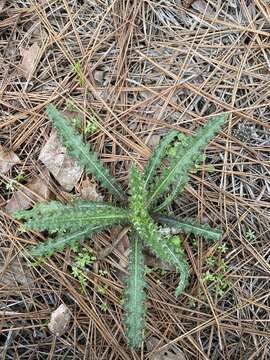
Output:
(157, 156)
(60, 242)
(59, 217)
(82, 152)
(190, 226)
(185, 158)
(134, 294)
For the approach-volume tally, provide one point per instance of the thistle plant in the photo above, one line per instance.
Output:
(72, 223)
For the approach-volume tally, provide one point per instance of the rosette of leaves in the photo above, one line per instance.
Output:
(72, 223)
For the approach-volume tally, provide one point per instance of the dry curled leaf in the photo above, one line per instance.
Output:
(65, 169)
(7, 160)
(59, 321)
(34, 190)
(88, 191)
(29, 59)
(170, 353)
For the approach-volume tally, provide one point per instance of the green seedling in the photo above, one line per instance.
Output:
(78, 70)
(11, 185)
(102, 289)
(216, 271)
(138, 209)
(19, 178)
(104, 306)
(250, 235)
(82, 259)
(90, 128)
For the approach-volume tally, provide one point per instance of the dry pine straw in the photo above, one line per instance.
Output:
(148, 66)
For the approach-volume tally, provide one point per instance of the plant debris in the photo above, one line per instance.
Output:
(170, 353)
(29, 60)
(65, 169)
(13, 271)
(88, 191)
(7, 160)
(2, 4)
(24, 198)
(149, 67)
(60, 319)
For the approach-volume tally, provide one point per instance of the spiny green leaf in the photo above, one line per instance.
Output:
(148, 231)
(134, 293)
(81, 151)
(39, 209)
(185, 158)
(190, 226)
(157, 156)
(53, 207)
(58, 217)
(60, 242)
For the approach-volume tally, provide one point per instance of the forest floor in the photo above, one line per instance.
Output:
(141, 67)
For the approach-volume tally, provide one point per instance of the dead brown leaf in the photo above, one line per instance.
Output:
(203, 6)
(23, 199)
(59, 321)
(99, 76)
(7, 159)
(88, 191)
(170, 353)
(2, 4)
(154, 140)
(12, 272)
(65, 169)
(152, 261)
(29, 59)
(187, 3)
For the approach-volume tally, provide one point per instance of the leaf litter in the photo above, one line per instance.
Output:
(35, 190)
(60, 319)
(7, 160)
(65, 169)
(29, 60)
(227, 57)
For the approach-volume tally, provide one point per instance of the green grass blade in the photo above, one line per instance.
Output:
(134, 293)
(82, 153)
(180, 164)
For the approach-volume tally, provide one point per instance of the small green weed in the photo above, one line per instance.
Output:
(90, 128)
(70, 105)
(250, 235)
(12, 183)
(104, 307)
(78, 70)
(82, 259)
(102, 289)
(215, 275)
